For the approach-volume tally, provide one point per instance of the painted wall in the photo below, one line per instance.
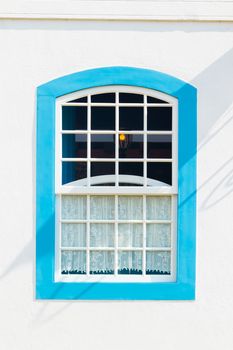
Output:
(33, 52)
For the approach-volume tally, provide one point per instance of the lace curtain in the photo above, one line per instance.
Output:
(102, 235)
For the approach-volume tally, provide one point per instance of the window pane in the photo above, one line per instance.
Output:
(130, 146)
(130, 208)
(158, 235)
(74, 146)
(102, 235)
(103, 146)
(130, 263)
(72, 171)
(102, 207)
(103, 118)
(159, 146)
(73, 235)
(160, 171)
(79, 100)
(159, 118)
(104, 98)
(73, 262)
(154, 100)
(158, 208)
(131, 118)
(102, 168)
(74, 207)
(131, 168)
(130, 98)
(101, 262)
(158, 263)
(130, 235)
(74, 118)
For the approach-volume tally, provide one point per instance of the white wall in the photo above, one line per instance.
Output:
(33, 52)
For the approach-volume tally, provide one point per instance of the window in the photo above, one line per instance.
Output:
(116, 186)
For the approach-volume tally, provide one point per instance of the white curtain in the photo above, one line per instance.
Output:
(102, 235)
(158, 208)
(158, 235)
(74, 207)
(73, 262)
(158, 262)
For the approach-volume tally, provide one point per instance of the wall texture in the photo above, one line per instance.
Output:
(33, 52)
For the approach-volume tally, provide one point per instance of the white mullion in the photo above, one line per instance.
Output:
(60, 230)
(161, 160)
(88, 237)
(88, 140)
(111, 132)
(144, 237)
(116, 237)
(117, 139)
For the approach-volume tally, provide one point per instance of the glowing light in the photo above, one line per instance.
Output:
(122, 137)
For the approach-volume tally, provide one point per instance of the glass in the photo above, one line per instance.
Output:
(73, 235)
(131, 118)
(73, 262)
(72, 171)
(103, 118)
(130, 235)
(79, 100)
(161, 172)
(130, 208)
(130, 146)
(159, 118)
(102, 207)
(131, 168)
(158, 235)
(159, 146)
(74, 146)
(154, 100)
(73, 207)
(125, 97)
(129, 263)
(101, 263)
(158, 208)
(103, 98)
(158, 263)
(102, 235)
(74, 118)
(102, 168)
(102, 146)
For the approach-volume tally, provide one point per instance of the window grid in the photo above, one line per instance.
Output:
(116, 248)
(145, 160)
(170, 190)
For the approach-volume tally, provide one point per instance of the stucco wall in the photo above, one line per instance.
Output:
(33, 52)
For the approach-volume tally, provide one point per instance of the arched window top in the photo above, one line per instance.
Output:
(117, 136)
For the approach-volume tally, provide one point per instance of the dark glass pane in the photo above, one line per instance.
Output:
(102, 168)
(159, 146)
(160, 171)
(103, 118)
(130, 98)
(74, 118)
(131, 118)
(159, 118)
(131, 168)
(72, 171)
(130, 146)
(103, 146)
(79, 100)
(104, 98)
(154, 100)
(74, 146)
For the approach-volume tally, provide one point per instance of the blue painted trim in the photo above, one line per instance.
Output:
(184, 287)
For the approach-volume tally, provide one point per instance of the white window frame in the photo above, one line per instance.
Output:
(83, 187)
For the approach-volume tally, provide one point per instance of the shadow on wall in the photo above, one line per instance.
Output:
(215, 100)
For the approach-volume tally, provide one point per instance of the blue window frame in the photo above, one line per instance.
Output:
(184, 286)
